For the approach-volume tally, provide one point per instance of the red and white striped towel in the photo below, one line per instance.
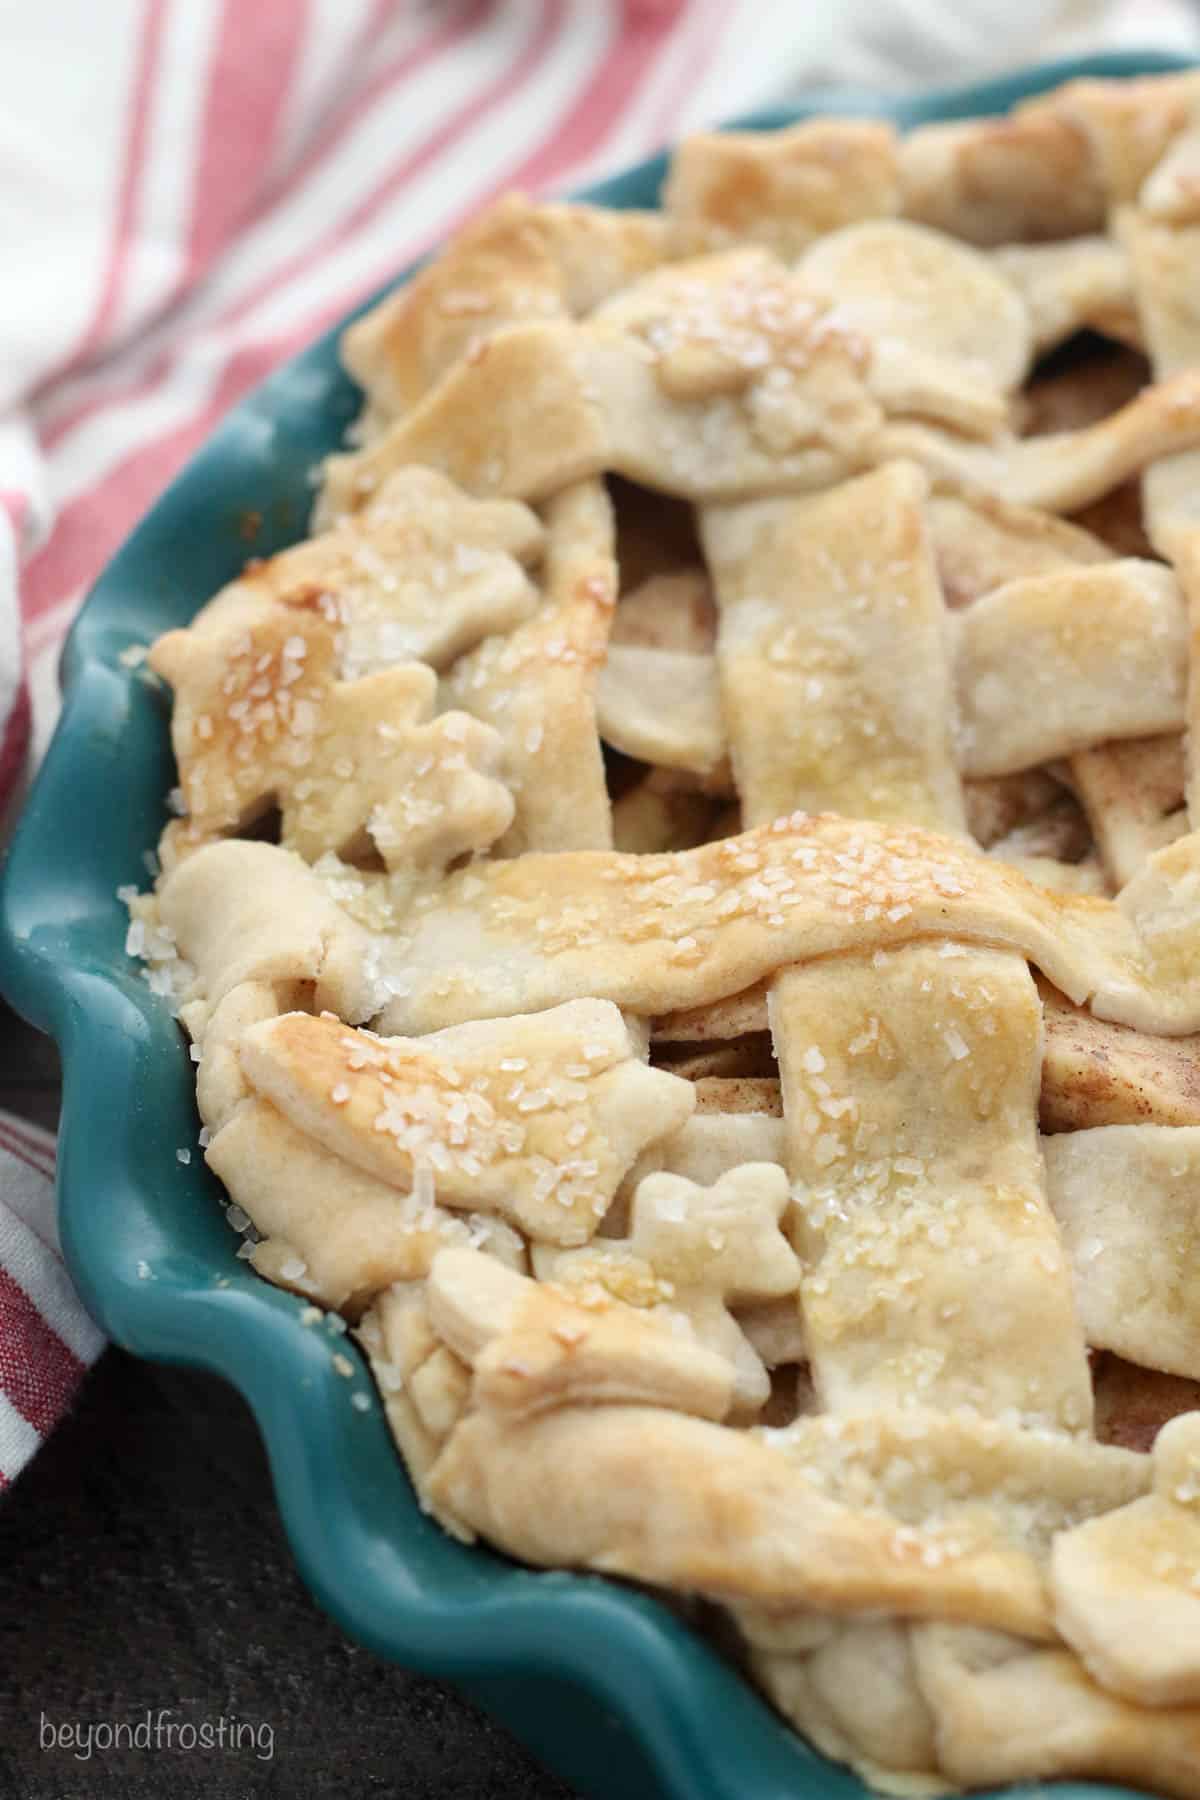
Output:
(46, 1338)
(192, 189)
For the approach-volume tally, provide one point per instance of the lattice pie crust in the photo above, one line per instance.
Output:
(686, 906)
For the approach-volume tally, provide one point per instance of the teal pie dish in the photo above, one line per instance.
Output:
(603, 1682)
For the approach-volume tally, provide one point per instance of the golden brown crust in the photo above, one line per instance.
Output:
(675, 1501)
(812, 721)
(782, 188)
(537, 1119)
(1012, 1711)
(1028, 178)
(517, 261)
(535, 688)
(733, 1210)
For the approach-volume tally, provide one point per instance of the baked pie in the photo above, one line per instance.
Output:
(684, 899)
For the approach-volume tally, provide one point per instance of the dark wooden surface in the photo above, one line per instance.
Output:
(142, 1568)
